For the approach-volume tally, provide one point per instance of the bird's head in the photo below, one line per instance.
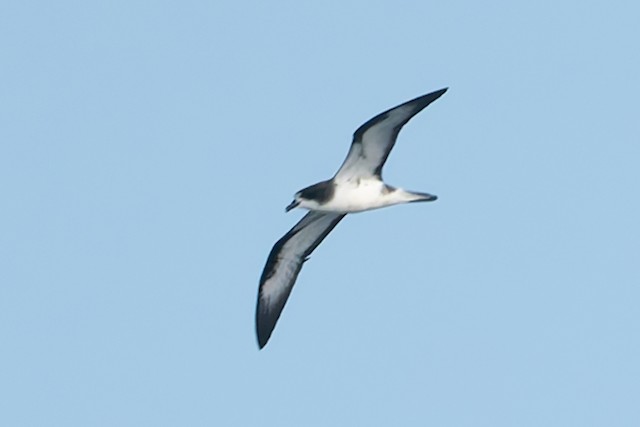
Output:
(301, 201)
(312, 197)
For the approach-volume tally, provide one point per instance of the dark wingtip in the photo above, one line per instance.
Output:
(263, 337)
(439, 93)
(264, 328)
(266, 320)
(423, 101)
(261, 343)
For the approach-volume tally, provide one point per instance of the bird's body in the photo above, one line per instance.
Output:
(356, 187)
(361, 195)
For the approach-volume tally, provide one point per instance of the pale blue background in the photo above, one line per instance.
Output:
(147, 152)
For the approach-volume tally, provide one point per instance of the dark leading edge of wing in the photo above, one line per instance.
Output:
(284, 264)
(373, 141)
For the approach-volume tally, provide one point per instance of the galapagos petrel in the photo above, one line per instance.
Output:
(356, 187)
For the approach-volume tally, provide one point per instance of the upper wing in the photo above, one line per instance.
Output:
(284, 264)
(373, 141)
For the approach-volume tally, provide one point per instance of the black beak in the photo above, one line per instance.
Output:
(293, 204)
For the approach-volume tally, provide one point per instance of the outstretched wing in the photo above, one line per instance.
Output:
(284, 264)
(373, 141)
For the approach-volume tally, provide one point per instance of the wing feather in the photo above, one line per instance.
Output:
(284, 264)
(373, 141)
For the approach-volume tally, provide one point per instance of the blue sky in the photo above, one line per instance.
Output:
(147, 152)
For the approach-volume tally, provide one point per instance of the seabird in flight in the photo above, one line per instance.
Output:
(356, 187)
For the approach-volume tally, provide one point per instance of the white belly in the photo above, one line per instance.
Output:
(357, 197)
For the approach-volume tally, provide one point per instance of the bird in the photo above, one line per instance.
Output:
(357, 186)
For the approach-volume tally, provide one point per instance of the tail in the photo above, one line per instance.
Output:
(414, 196)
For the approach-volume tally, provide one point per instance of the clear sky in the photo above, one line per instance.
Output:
(147, 152)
